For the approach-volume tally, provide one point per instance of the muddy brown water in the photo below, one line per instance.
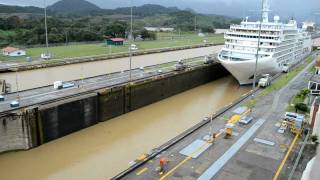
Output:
(104, 150)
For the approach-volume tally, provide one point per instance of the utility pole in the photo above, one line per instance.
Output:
(17, 85)
(195, 23)
(131, 36)
(66, 33)
(46, 27)
(264, 14)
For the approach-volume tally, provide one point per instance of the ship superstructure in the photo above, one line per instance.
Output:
(279, 45)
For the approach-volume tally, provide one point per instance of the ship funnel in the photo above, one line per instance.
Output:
(276, 19)
(265, 10)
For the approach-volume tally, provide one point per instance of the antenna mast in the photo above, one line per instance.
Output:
(265, 10)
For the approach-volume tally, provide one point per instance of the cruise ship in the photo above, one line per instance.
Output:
(279, 45)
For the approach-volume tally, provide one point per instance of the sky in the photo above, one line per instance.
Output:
(299, 9)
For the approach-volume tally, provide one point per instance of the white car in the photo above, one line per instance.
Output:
(285, 68)
(133, 47)
(265, 80)
(14, 104)
(46, 56)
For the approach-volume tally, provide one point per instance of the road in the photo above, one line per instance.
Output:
(254, 152)
(48, 93)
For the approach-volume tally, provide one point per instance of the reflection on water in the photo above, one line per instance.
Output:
(104, 150)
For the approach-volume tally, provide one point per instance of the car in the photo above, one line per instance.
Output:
(208, 60)
(180, 67)
(133, 47)
(141, 68)
(1, 98)
(265, 80)
(45, 56)
(285, 68)
(14, 104)
(58, 85)
(289, 116)
(246, 120)
(67, 85)
(159, 71)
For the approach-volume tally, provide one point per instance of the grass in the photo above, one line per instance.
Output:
(71, 51)
(298, 98)
(284, 79)
(251, 103)
(293, 101)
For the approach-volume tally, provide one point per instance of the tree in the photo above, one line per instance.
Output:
(115, 29)
(207, 29)
(147, 35)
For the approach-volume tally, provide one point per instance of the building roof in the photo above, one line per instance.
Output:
(10, 49)
(116, 39)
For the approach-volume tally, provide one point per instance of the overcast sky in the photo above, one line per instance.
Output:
(300, 9)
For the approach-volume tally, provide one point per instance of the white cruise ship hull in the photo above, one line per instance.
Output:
(278, 46)
(243, 70)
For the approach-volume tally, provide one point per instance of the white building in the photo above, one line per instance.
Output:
(157, 29)
(13, 52)
(166, 29)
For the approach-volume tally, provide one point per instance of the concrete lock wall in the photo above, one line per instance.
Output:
(111, 103)
(142, 94)
(67, 116)
(119, 100)
(48, 121)
(18, 130)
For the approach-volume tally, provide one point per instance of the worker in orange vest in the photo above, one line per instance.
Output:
(163, 162)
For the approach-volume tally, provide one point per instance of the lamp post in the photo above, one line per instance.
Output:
(17, 85)
(46, 27)
(131, 34)
(258, 47)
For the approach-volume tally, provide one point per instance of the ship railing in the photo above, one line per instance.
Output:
(256, 27)
(253, 33)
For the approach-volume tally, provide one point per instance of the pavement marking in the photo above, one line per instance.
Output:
(182, 162)
(176, 167)
(142, 171)
(270, 143)
(286, 157)
(191, 148)
(218, 164)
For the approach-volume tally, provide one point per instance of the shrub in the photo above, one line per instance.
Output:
(314, 138)
(301, 106)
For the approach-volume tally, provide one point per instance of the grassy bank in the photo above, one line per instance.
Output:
(284, 79)
(166, 40)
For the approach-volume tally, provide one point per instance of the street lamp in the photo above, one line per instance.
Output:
(17, 85)
(258, 47)
(46, 27)
(131, 34)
